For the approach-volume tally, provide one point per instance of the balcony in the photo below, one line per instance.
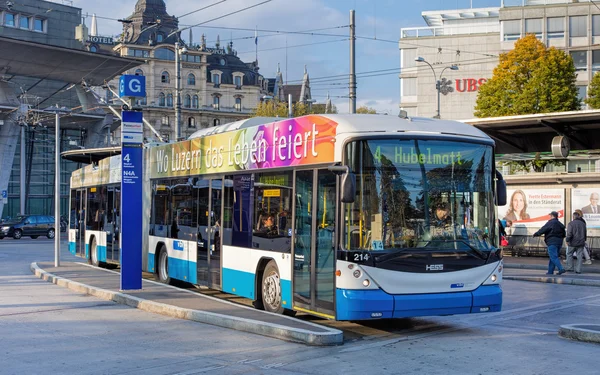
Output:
(423, 32)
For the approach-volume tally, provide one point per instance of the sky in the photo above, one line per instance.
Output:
(326, 57)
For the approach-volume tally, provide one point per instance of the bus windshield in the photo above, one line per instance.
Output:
(420, 194)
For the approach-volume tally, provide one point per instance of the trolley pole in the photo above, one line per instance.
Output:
(352, 64)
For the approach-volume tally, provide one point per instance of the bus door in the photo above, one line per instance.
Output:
(314, 251)
(81, 214)
(113, 224)
(210, 196)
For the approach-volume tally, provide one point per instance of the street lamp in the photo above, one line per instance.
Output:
(438, 83)
(178, 52)
(58, 111)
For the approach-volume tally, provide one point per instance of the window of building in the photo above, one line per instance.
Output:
(141, 101)
(595, 60)
(169, 100)
(39, 25)
(161, 99)
(580, 60)
(534, 26)
(191, 122)
(24, 22)
(511, 30)
(216, 122)
(139, 72)
(409, 86)
(577, 26)
(581, 93)
(160, 37)
(165, 77)
(195, 103)
(9, 19)
(191, 79)
(596, 25)
(165, 120)
(216, 78)
(238, 104)
(555, 27)
(408, 57)
(216, 102)
(164, 54)
(237, 81)
(187, 101)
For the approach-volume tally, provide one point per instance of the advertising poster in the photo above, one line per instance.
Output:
(587, 201)
(532, 207)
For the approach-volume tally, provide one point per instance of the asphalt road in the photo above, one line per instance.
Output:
(45, 328)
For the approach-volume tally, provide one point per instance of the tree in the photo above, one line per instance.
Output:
(276, 108)
(366, 110)
(593, 98)
(529, 79)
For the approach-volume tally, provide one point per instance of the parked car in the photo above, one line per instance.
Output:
(28, 225)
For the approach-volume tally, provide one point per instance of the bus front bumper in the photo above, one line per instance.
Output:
(377, 304)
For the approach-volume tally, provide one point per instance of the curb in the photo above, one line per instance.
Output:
(554, 280)
(581, 332)
(539, 267)
(332, 337)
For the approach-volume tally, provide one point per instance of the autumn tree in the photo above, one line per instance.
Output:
(366, 110)
(276, 108)
(593, 96)
(529, 79)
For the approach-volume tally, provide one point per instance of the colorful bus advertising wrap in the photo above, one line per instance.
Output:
(298, 141)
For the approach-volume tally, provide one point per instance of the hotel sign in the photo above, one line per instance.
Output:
(100, 39)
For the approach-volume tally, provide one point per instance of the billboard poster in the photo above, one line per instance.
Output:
(587, 201)
(532, 207)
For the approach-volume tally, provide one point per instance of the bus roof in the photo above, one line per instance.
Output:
(364, 123)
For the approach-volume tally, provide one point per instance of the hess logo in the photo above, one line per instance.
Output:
(434, 267)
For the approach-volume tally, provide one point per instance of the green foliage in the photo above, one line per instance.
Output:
(276, 108)
(593, 96)
(537, 164)
(529, 79)
(366, 110)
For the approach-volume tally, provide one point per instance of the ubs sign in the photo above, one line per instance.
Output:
(469, 84)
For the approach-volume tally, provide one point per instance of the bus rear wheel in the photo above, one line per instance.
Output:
(162, 266)
(271, 289)
(94, 254)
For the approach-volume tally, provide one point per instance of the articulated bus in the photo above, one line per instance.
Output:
(346, 217)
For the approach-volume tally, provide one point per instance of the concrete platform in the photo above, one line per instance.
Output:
(183, 304)
(581, 332)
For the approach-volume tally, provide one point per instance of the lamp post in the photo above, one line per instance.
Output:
(438, 83)
(58, 111)
(178, 52)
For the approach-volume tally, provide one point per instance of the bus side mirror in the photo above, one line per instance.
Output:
(348, 188)
(348, 191)
(500, 190)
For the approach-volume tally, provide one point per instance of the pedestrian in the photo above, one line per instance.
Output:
(586, 247)
(554, 233)
(576, 237)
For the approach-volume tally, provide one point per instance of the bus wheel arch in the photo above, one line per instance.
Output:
(260, 269)
(271, 294)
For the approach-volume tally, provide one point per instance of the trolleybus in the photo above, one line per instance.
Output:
(347, 217)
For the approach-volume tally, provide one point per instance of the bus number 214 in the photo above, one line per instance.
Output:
(361, 257)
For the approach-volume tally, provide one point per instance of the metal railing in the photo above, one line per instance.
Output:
(429, 31)
(527, 245)
(524, 3)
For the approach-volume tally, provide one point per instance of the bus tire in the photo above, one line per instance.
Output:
(94, 254)
(162, 266)
(271, 289)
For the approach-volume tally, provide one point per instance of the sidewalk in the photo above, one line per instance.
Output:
(535, 268)
(183, 304)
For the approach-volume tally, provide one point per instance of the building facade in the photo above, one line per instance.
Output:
(216, 86)
(472, 39)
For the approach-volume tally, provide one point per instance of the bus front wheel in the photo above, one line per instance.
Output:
(271, 289)
(162, 267)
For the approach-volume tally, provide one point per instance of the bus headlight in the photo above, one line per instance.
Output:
(494, 278)
(366, 282)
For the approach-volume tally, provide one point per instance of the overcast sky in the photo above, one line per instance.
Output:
(326, 57)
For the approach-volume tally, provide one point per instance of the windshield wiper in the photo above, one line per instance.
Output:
(480, 254)
(388, 256)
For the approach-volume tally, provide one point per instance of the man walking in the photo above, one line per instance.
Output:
(554, 232)
(576, 237)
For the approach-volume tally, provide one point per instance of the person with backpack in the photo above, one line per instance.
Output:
(554, 233)
(576, 237)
